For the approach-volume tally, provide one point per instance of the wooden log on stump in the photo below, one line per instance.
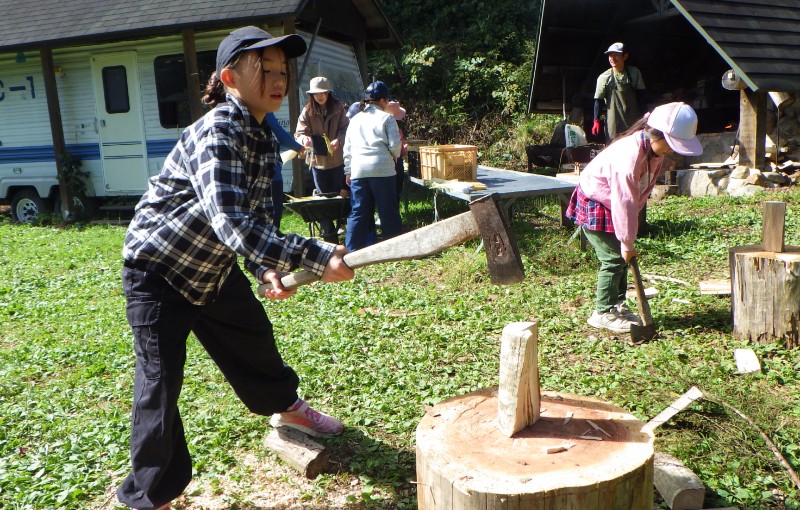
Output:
(581, 453)
(765, 294)
(765, 288)
(518, 393)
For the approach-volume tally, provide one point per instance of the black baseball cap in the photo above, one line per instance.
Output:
(253, 38)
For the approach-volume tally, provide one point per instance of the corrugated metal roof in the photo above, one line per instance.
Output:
(759, 39)
(27, 24)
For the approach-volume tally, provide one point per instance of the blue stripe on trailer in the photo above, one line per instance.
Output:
(40, 153)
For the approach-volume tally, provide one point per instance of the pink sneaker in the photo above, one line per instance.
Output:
(302, 417)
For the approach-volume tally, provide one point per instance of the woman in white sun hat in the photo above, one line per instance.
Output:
(613, 188)
(325, 115)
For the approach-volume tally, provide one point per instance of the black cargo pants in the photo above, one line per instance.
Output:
(237, 334)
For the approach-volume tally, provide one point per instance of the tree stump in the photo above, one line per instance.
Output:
(765, 294)
(582, 454)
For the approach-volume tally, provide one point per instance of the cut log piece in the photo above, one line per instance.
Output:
(719, 287)
(746, 361)
(518, 393)
(299, 451)
(677, 484)
(464, 461)
(765, 294)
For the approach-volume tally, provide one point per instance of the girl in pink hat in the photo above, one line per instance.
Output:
(613, 188)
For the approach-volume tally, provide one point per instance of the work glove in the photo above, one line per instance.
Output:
(596, 128)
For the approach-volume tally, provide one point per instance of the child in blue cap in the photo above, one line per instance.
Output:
(205, 209)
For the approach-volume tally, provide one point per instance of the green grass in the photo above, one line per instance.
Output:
(376, 351)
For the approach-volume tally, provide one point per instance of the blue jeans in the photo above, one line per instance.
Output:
(365, 195)
(236, 333)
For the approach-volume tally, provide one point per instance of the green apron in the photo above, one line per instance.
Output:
(623, 109)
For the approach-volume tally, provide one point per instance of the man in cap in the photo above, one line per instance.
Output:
(619, 92)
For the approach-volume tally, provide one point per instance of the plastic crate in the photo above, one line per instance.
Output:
(449, 162)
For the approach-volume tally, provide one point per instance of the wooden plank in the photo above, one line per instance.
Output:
(518, 399)
(718, 287)
(772, 237)
(674, 408)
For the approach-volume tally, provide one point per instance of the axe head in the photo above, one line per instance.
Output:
(642, 333)
(502, 254)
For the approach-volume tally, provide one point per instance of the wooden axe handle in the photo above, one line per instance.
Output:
(641, 300)
(418, 243)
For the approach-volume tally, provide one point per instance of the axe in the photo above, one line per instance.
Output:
(484, 219)
(648, 328)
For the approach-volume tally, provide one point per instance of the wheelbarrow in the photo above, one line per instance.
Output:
(319, 209)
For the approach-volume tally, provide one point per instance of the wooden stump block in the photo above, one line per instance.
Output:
(765, 294)
(465, 462)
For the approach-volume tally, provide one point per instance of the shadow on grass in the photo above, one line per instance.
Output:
(715, 319)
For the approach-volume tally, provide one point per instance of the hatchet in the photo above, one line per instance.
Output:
(648, 328)
(484, 219)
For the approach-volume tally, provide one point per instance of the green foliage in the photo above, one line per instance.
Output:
(466, 60)
(376, 351)
(73, 175)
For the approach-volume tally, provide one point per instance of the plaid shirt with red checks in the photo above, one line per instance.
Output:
(587, 213)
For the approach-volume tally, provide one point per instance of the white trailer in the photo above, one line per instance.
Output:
(123, 106)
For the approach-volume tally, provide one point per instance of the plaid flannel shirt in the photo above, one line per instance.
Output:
(585, 212)
(209, 203)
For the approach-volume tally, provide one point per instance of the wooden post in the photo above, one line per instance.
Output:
(772, 237)
(294, 113)
(192, 74)
(518, 394)
(752, 128)
(56, 129)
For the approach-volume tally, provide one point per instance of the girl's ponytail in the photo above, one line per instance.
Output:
(214, 92)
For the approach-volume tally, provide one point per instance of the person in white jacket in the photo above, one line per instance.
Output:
(612, 190)
(371, 146)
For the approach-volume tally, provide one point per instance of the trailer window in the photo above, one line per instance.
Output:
(172, 89)
(115, 89)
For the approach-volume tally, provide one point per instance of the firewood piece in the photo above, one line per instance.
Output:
(772, 237)
(518, 401)
(719, 287)
(559, 448)
(298, 451)
(664, 278)
(674, 408)
(677, 484)
(746, 361)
